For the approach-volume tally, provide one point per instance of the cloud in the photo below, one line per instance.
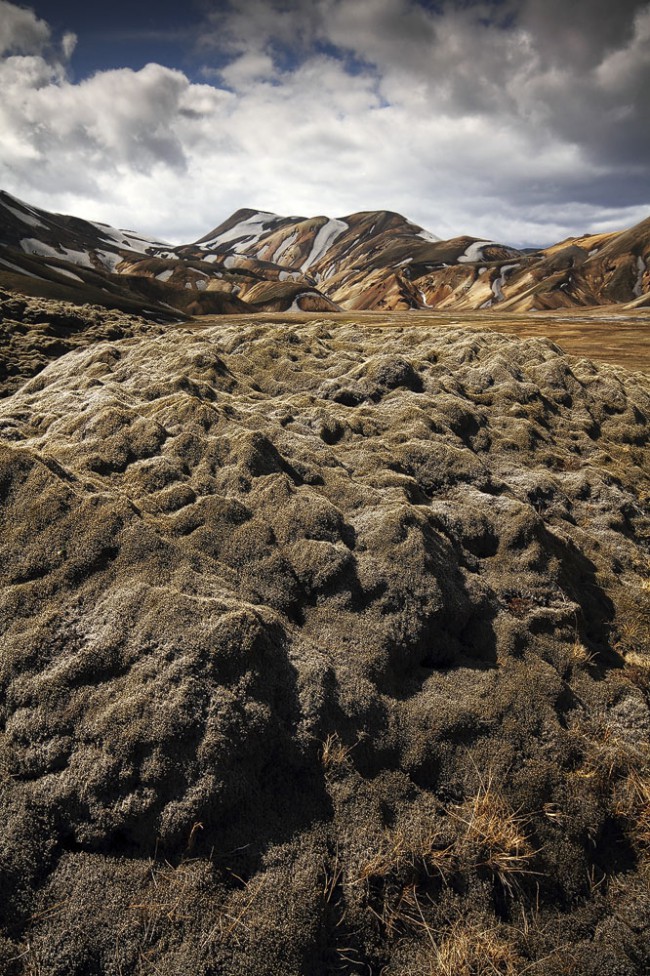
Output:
(580, 33)
(114, 119)
(520, 120)
(21, 31)
(68, 45)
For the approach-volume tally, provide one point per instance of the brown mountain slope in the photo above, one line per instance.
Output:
(380, 260)
(56, 256)
(366, 260)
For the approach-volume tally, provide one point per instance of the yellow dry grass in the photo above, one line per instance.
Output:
(632, 805)
(472, 950)
(494, 835)
(421, 851)
(334, 752)
(579, 656)
(402, 868)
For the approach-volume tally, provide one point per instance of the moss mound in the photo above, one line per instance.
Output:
(324, 650)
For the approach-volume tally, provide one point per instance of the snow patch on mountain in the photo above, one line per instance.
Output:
(324, 240)
(474, 252)
(145, 245)
(109, 259)
(247, 231)
(25, 218)
(31, 245)
(498, 283)
(295, 307)
(128, 238)
(426, 235)
(62, 271)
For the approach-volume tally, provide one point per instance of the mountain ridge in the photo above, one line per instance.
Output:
(261, 261)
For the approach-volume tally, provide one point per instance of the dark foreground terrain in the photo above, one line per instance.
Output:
(324, 650)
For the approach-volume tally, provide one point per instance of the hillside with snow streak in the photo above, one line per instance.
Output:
(260, 261)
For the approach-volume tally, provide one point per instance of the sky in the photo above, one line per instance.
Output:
(522, 121)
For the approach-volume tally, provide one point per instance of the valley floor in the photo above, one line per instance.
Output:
(605, 334)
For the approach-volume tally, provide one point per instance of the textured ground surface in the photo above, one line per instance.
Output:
(609, 335)
(35, 331)
(324, 650)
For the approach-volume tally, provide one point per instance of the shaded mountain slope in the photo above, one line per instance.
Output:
(73, 239)
(57, 256)
(324, 650)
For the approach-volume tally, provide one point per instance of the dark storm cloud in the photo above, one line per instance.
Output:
(580, 32)
(578, 71)
(594, 75)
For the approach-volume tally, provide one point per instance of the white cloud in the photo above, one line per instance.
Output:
(332, 106)
(68, 45)
(249, 67)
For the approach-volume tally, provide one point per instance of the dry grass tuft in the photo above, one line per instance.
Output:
(609, 757)
(494, 836)
(634, 637)
(474, 952)
(620, 771)
(334, 752)
(332, 877)
(402, 853)
(632, 804)
(634, 613)
(398, 875)
(470, 949)
(579, 656)
(635, 660)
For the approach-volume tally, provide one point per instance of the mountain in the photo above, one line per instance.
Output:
(260, 261)
(58, 256)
